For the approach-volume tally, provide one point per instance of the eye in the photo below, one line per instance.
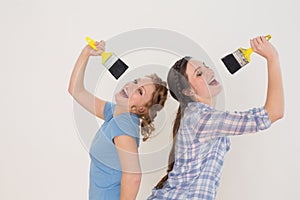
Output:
(140, 91)
(199, 73)
(135, 81)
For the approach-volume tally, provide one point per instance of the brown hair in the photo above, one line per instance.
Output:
(156, 103)
(177, 82)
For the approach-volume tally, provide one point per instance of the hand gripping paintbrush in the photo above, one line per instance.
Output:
(110, 61)
(239, 58)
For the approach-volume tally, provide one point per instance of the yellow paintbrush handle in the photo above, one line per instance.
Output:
(105, 55)
(247, 52)
(268, 37)
(91, 42)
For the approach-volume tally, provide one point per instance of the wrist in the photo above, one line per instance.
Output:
(273, 58)
(86, 51)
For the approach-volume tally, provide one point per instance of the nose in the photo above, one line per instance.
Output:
(209, 72)
(132, 86)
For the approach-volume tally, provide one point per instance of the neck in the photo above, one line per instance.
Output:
(208, 101)
(120, 110)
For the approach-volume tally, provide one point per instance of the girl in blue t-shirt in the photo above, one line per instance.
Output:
(201, 132)
(115, 170)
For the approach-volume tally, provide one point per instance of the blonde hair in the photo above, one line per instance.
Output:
(157, 102)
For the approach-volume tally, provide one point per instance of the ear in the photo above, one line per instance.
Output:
(142, 109)
(188, 92)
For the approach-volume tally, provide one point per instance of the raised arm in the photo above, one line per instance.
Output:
(76, 86)
(217, 123)
(275, 100)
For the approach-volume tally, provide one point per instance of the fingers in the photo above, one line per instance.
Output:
(258, 43)
(100, 48)
(100, 45)
(261, 46)
(264, 40)
(102, 42)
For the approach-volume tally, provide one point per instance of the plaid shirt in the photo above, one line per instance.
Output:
(201, 145)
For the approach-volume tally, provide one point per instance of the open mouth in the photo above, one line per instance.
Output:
(124, 93)
(213, 82)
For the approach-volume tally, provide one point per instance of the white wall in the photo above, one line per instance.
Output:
(42, 155)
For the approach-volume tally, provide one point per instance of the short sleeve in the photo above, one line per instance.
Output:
(109, 111)
(125, 124)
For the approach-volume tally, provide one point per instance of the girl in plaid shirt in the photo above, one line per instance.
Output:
(201, 133)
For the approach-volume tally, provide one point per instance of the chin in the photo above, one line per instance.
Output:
(219, 90)
(117, 97)
(216, 91)
(121, 101)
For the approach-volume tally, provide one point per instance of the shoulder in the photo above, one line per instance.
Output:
(197, 110)
(109, 108)
(125, 124)
(198, 106)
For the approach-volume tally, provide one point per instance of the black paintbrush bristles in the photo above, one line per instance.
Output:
(115, 65)
(118, 68)
(231, 64)
(234, 61)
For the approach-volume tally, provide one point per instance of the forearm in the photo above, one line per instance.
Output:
(275, 97)
(130, 184)
(76, 84)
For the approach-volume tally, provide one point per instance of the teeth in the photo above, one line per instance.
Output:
(211, 81)
(125, 91)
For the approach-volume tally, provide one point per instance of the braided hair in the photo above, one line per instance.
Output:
(156, 103)
(177, 82)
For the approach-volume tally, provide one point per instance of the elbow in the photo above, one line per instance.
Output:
(74, 91)
(275, 112)
(279, 116)
(276, 116)
(71, 90)
(133, 179)
(136, 179)
(280, 113)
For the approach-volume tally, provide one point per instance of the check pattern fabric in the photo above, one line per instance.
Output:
(201, 144)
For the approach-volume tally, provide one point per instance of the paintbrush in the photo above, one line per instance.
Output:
(239, 58)
(110, 61)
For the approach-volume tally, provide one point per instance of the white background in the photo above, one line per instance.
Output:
(42, 156)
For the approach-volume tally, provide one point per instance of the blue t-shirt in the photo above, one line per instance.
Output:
(105, 168)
